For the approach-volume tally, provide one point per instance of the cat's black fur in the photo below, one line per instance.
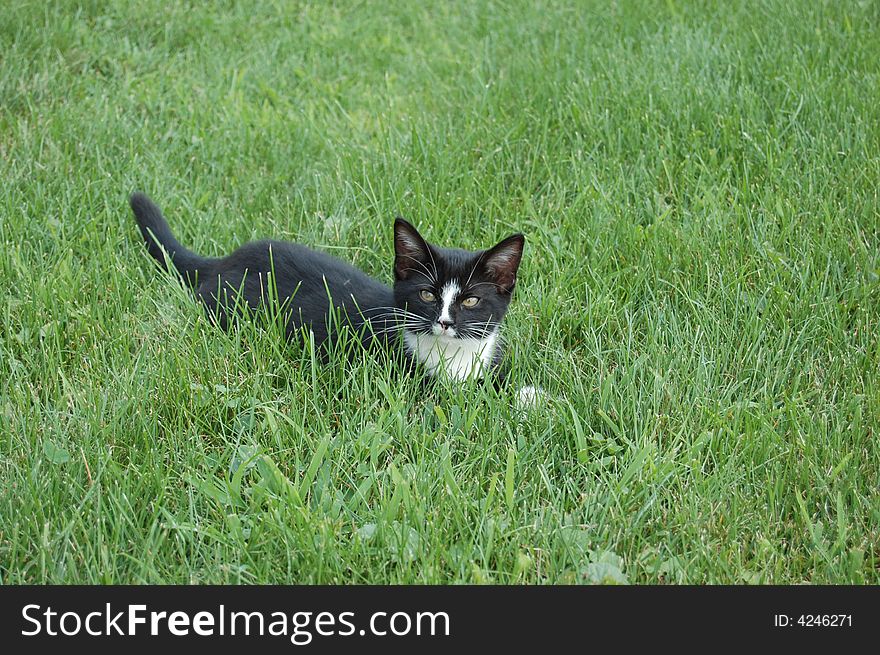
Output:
(304, 283)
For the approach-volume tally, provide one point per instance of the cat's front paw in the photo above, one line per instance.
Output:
(529, 397)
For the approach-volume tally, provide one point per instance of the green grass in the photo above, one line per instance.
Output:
(698, 183)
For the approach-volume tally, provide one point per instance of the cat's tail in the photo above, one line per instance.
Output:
(161, 243)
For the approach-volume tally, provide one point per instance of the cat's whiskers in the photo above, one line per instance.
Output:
(393, 312)
(486, 284)
(476, 263)
(409, 323)
(433, 263)
(396, 320)
(390, 313)
(430, 275)
(481, 330)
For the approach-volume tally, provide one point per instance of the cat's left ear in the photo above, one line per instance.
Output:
(411, 251)
(502, 261)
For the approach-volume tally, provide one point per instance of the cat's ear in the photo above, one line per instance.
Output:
(411, 251)
(502, 261)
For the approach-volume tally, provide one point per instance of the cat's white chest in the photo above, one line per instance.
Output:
(459, 358)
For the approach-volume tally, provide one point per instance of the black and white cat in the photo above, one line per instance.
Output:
(444, 310)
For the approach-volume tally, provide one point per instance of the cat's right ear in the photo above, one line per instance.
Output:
(411, 251)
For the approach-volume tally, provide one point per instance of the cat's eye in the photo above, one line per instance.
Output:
(427, 296)
(470, 302)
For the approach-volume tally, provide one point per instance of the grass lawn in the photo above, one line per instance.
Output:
(700, 296)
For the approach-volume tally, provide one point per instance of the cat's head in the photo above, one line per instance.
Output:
(457, 294)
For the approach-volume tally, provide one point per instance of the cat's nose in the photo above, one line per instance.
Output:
(445, 324)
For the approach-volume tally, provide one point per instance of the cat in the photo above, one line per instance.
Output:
(444, 310)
